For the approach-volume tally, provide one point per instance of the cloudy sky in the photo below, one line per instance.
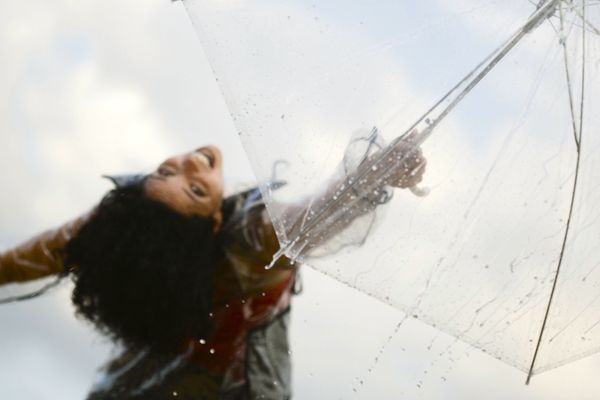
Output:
(116, 86)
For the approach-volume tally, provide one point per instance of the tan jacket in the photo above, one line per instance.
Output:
(40, 256)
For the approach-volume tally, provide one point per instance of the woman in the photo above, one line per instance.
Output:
(176, 275)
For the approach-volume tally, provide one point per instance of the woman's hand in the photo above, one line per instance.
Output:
(406, 163)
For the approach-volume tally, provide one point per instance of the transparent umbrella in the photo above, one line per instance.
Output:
(500, 95)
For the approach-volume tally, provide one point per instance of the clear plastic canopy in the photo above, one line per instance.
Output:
(504, 96)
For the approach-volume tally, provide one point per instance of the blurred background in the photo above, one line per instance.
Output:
(115, 87)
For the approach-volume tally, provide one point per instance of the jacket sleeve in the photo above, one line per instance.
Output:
(40, 256)
(253, 248)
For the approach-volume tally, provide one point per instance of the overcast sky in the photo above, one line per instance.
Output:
(116, 86)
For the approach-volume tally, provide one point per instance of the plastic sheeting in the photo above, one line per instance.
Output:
(478, 256)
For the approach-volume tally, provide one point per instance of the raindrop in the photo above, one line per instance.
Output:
(202, 341)
(212, 351)
(175, 394)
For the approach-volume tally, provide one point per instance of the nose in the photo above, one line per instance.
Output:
(191, 165)
(194, 170)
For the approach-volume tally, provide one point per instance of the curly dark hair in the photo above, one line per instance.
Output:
(143, 273)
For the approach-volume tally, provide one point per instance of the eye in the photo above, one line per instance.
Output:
(164, 171)
(197, 190)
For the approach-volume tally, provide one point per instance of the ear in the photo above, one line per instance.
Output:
(218, 217)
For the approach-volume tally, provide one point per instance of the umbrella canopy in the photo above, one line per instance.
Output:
(501, 96)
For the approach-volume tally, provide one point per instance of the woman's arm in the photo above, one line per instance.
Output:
(354, 194)
(40, 256)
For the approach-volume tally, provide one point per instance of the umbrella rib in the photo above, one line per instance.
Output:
(585, 21)
(563, 42)
(571, 207)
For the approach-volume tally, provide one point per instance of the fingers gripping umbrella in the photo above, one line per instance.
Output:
(500, 96)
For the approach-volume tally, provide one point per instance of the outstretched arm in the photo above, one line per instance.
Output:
(40, 256)
(355, 193)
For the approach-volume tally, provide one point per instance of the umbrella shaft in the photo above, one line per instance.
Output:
(426, 124)
(432, 118)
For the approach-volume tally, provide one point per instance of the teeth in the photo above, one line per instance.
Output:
(203, 158)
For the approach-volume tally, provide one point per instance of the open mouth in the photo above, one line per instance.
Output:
(205, 157)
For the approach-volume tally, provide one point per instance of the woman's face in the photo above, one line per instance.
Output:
(191, 183)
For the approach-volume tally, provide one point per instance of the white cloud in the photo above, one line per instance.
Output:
(114, 87)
